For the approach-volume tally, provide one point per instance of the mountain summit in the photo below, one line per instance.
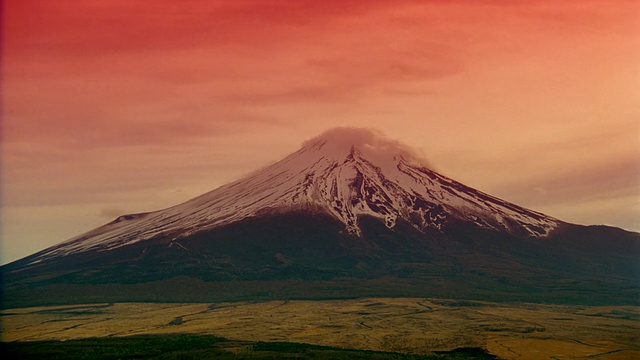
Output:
(349, 205)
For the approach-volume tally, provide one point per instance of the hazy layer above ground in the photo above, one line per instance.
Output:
(510, 331)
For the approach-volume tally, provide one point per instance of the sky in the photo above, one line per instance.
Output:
(121, 106)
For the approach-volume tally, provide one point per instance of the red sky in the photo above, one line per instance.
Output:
(119, 106)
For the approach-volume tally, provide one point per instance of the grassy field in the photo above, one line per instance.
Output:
(397, 325)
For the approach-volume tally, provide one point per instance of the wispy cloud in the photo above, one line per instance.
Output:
(107, 99)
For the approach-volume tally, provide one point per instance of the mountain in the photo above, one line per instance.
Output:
(351, 213)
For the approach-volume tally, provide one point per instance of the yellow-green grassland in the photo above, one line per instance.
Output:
(408, 325)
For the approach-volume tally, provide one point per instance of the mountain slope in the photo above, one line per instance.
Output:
(349, 204)
(329, 174)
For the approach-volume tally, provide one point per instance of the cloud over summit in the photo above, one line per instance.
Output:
(371, 142)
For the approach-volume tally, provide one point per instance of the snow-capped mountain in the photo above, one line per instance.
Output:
(344, 172)
(351, 213)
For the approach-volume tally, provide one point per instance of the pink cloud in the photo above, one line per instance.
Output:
(107, 99)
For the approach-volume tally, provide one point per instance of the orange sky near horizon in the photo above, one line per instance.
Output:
(123, 106)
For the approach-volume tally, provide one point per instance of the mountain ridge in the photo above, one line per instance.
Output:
(331, 176)
(353, 214)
